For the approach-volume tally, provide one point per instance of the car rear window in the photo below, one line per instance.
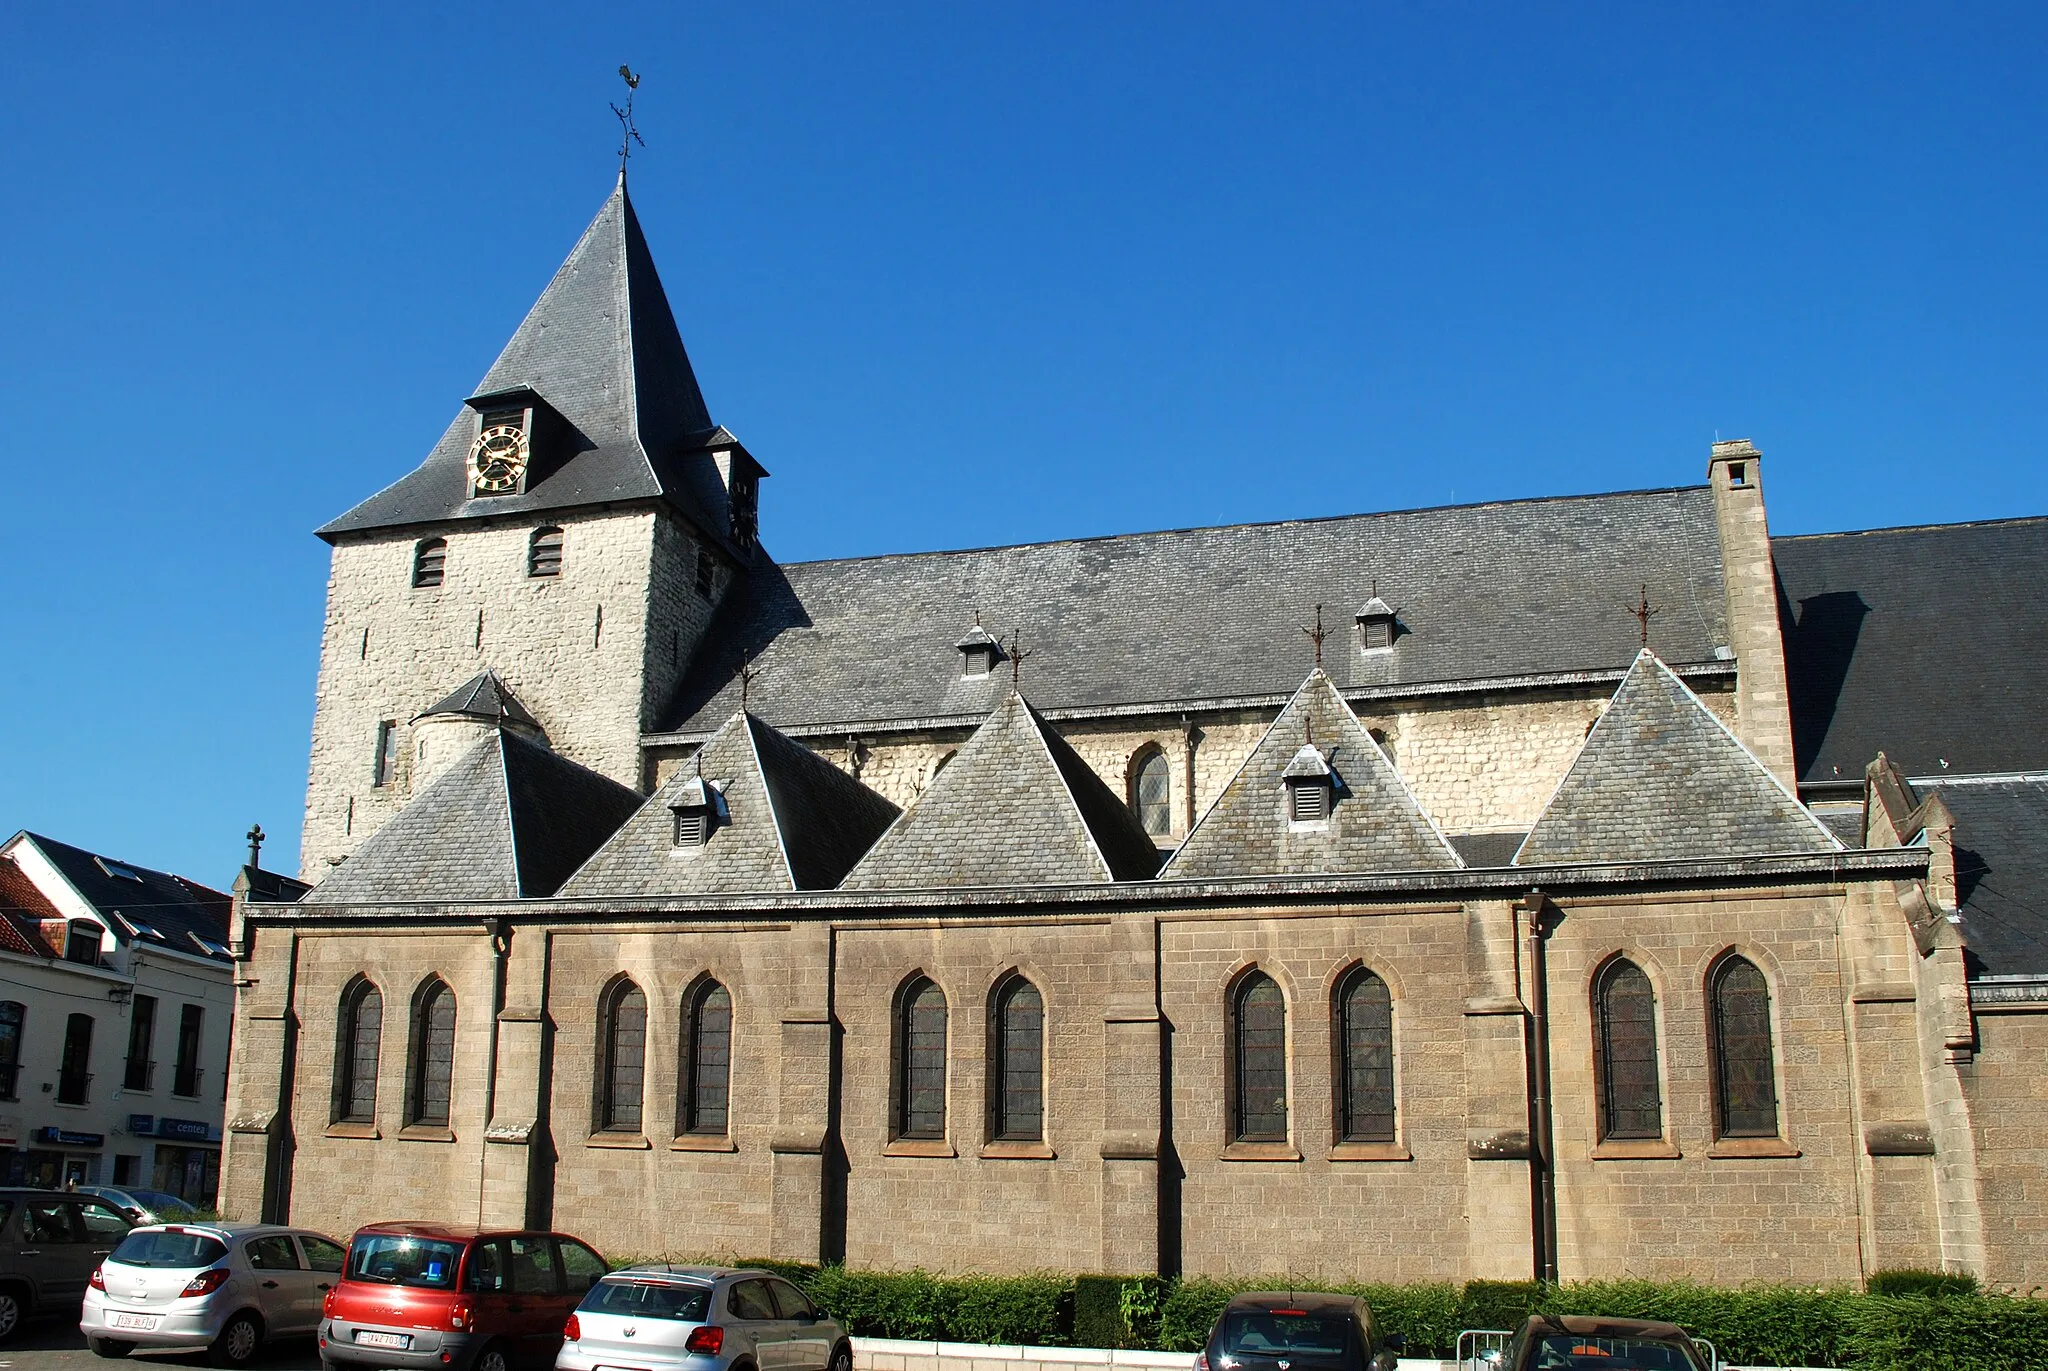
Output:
(400, 1259)
(1611, 1354)
(648, 1300)
(1285, 1333)
(169, 1248)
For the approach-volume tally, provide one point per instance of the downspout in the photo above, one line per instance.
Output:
(1542, 1169)
(501, 945)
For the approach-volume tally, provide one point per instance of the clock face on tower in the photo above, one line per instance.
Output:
(498, 459)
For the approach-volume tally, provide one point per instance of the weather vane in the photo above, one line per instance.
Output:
(1017, 656)
(1641, 612)
(1317, 634)
(748, 671)
(628, 133)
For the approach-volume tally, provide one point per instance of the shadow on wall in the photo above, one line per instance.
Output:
(1820, 643)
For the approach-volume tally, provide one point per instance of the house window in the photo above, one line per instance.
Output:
(1625, 1014)
(544, 553)
(705, 572)
(707, 1060)
(1017, 1090)
(12, 1015)
(1365, 1066)
(623, 1070)
(361, 1023)
(433, 1055)
(185, 1072)
(1745, 1078)
(1152, 793)
(141, 1071)
(82, 942)
(1259, 1060)
(921, 1061)
(429, 562)
(384, 763)
(73, 1076)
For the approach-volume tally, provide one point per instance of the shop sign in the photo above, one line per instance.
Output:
(140, 1124)
(61, 1138)
(183, 1128)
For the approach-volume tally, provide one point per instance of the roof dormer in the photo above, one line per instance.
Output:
(979, 652)
(520, 438)
(695, 805)
(1311, 785)
(1377, 626)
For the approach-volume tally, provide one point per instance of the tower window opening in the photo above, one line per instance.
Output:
(544, 553)
(429, 562)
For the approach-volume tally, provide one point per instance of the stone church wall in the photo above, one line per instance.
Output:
(2007, 1092)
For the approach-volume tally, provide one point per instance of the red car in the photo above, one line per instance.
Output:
(441, 1298)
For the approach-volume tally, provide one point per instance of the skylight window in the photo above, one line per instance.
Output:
(118, 870)
(209, 946)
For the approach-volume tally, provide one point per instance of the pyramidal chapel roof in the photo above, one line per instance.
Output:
(783, 818)
(508, 819)
(1375, 823)
(601, 346)
(1660, 778)
(1016, 806)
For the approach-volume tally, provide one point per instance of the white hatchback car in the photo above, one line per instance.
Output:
(224, 1287)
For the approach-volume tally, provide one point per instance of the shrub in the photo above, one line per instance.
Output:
(1915, 1333)
(1498, 1304)
(1770, 1325)
(1099, 1312)
(1933, 1284)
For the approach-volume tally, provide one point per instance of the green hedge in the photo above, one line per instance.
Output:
(1936, 1328)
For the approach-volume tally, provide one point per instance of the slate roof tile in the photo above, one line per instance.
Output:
(1015, 807)
(2001, 837)
(1375, 823)
(1492, 590)
(164, 909)
(483, 696)
(1661, 778)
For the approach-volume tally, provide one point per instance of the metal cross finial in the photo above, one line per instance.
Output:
(747, 674)
(628, 133)
(255, 836)
(1317, 634)
(1642, 613)
(1017, 655)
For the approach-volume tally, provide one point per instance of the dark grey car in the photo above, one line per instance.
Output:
(50, 1244)
(703, 1318)
(1266, 1330)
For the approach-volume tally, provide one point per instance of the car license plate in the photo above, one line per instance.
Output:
(369, 1339)
(145, 1322)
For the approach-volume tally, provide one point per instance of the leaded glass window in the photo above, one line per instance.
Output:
(708, 1065)
(625, 1059)
(357, 1045)
(1746, 1090)
(1365, 1076)
(1259, 1060)
(1152, 794)
(921, 1083)
(1018, 1095)
(1631, 1105)
(433, 1055)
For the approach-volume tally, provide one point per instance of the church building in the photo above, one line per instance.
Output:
(1365, 897)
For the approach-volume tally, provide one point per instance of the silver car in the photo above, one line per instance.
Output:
(224, 1287)
(700, 1318)
(145, 1206)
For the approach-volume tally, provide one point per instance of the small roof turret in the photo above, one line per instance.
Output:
(1309, 764)
(484, 697)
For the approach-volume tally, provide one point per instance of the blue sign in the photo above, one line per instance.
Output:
(141, 1123)
(183, 1128)
(61, 1138)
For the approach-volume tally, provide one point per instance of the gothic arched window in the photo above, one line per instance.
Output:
(430, 1080)
(622, 1032)
(1017, 1079)
(921, 1061)
(1745, 1078)
(1625, 1017)
(429, 561)
(707, 1060)
(1258, 1060)
(1152, 792)
(360, 1035)
(1365, 1058)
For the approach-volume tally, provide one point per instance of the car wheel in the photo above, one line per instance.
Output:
(842, 1358)
(492, 1358)
(238, 1342)
(109, 1347)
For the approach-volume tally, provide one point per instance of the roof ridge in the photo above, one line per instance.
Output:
(748, 722)
(1911, 528)
(1039, 728)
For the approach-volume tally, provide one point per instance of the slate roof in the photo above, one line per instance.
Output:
(1921, 643)
(1375, 823)
(483, 696)
(2001, 838)
(1661, 778)
(508, 818)
(601, 346)
(163, 909)
(1015, 807)
(1493, 590)
(787, 820)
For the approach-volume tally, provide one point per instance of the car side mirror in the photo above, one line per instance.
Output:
(1385, 1360)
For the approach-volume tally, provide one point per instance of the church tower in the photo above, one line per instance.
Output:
(571, 534)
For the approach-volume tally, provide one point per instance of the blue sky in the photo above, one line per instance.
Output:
(961, 275)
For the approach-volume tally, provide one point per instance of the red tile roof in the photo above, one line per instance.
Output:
(22, 910)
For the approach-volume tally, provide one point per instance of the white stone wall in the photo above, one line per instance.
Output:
(592, 652)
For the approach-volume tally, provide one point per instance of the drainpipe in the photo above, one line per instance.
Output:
(1542, 1170)
(501, 944)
